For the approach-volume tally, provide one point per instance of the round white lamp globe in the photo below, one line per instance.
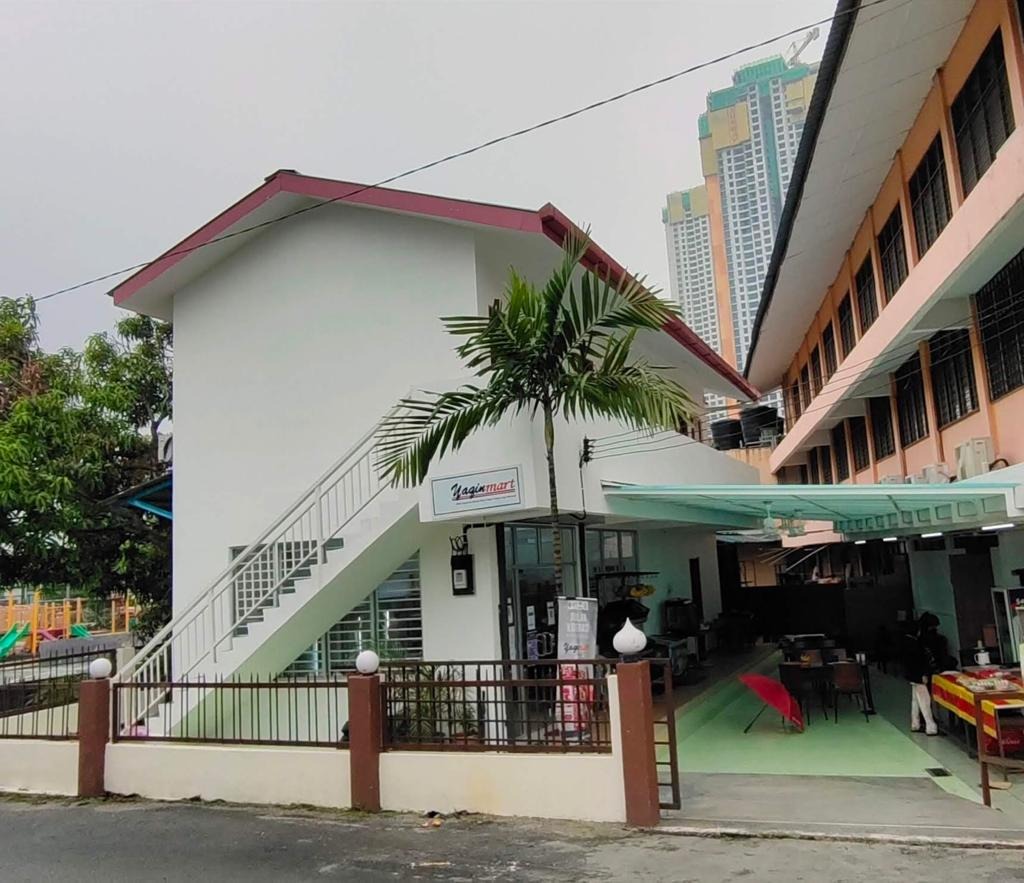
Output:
(367, 662)
(100, 668)
(629, 640)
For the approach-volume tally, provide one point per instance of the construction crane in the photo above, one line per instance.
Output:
(794, 51)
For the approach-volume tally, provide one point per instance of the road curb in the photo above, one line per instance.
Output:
(739, 832)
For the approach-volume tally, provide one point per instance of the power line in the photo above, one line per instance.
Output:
(551, 121)
(892, 356)
(641, 447)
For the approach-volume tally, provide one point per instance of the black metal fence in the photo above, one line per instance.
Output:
(39, 695)
(286, 712)
(520, 705)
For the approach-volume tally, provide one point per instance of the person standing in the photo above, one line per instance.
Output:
(922, 658)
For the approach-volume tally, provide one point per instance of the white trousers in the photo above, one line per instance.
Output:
(921, 704)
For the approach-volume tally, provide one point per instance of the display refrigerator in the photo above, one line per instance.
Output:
(1008, 607)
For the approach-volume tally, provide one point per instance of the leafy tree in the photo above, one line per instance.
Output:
(76, 429)
(561, 350)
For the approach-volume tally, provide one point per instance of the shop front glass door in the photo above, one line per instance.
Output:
(529, 551)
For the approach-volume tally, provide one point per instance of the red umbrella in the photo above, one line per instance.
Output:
(772, 693)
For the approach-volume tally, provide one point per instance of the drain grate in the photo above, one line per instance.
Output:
(938, 772)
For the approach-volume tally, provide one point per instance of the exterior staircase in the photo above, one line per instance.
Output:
(323, 555)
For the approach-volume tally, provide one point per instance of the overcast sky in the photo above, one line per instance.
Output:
(129, 124)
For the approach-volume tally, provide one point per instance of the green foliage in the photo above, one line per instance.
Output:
(561, 350)
(75, 429)
(564, 349)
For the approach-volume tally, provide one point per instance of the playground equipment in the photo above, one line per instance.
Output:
(41, 620)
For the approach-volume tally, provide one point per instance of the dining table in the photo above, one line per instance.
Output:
(956, 691)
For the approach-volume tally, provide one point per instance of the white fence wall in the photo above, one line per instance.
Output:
(587, 787)
(39, 766)
(238, 774)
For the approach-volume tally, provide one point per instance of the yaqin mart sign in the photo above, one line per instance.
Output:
(495, 489)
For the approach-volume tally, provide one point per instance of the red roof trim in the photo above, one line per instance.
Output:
(558, 227)
(547, 220)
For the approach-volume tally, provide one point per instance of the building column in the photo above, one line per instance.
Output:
(929, 401)
(364, 740)
(636, 719)
(895, 412)
(93, 735)
(949, 149)
(1014, 52)
(909, 227)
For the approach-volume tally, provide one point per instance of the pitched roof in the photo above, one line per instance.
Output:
(286, 192)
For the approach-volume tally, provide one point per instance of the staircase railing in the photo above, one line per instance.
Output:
(291, 548)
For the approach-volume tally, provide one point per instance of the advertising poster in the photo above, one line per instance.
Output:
(577, 639)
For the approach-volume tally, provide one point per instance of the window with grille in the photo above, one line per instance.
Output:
(881, 427)
(825, 456)
(847, 335)
(956, 394)
(812, 460)
(805, 385)
(859, 443)
(828, 347)
(816, 370)
(389, 621)
(842, 455)
(910, 406)
(1000, 305)
(892, 254)
(981, 113)
(795, 406)
(929, 197)
(867, 303)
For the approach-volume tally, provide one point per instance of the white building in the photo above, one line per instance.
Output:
(292, 340)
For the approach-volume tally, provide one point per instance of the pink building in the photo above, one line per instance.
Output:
(893, 311)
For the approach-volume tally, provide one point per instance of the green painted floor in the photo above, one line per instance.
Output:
(711, 740)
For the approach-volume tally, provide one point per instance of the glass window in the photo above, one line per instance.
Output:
(805, 386)
(389, 621)
(847, 334)
(828, 346)
(892, 254)
(929, 197)
(867, 302)
(841, 453)
(813, 471)
(816, 370)
(981, 113)
(956, 394)
(881, 427)
(910, 405)
(859, 443)
(527, 545)
(1000, 305)
(825, 458)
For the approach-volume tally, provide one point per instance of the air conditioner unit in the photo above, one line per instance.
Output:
(936, 473)
(891, 479)
(973, 457)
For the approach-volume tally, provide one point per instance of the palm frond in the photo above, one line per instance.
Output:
(597, 307)
(421, 430)
(637, 394)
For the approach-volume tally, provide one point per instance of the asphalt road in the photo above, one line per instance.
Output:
(43, 841)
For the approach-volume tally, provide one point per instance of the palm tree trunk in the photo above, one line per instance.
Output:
(556, 532)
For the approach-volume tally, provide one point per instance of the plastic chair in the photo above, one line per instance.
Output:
(848, 680)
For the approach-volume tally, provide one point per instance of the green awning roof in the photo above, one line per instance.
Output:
(852, 508)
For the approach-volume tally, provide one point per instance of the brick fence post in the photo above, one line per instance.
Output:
(93, 735)
(364, 740)
(636, 719)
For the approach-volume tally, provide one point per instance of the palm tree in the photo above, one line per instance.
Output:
(560, 350)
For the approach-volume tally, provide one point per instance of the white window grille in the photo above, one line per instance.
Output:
(389, 621)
